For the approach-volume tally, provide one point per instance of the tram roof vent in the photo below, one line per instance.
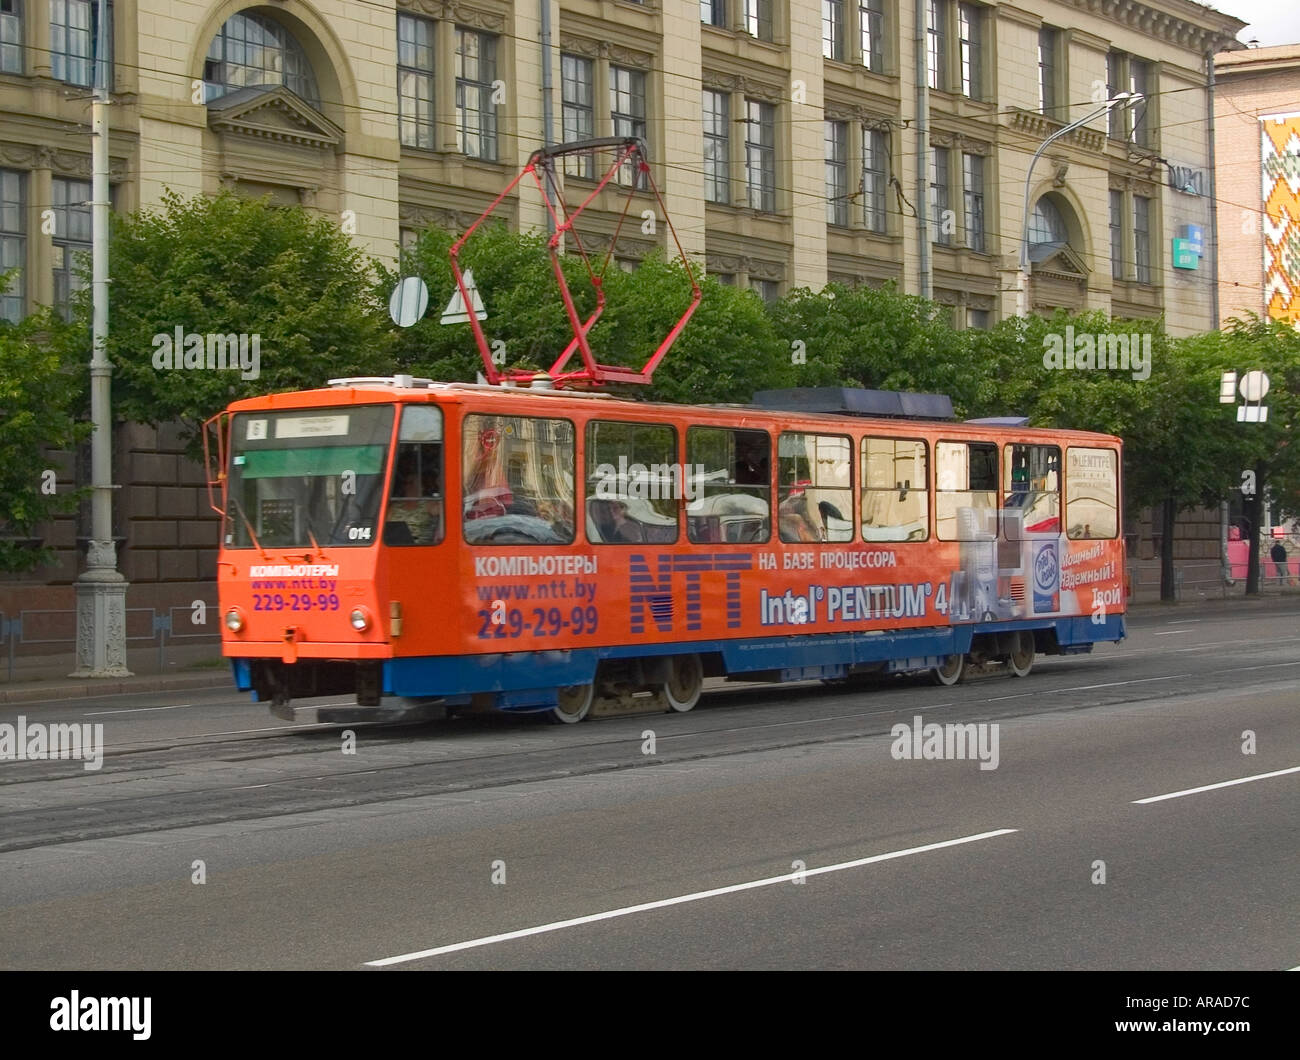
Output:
(854, 401)
(402, 382)
(1001, 421)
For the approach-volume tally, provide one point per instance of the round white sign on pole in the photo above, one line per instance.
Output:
(1254, 386)
(409, 301)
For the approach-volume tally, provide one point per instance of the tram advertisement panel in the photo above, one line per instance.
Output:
(667, 595)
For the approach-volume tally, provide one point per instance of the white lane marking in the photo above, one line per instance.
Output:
(1116, 684)
(269, 728)
(135, 710)
(1170, 632)
(1221, 784)
(610, 914)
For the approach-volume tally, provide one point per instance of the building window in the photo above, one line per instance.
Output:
(1139, 82)
(837, 173)
(1116, 235)
(476, 116)
(758, 19)
(713, 12)
(13, 244)
(250, 51)
(1142, 237)
(760, 155)
(871, 29)
(627, 109)
(1047, 225)
(415, 114)
(768, 290)
(577, 78)
(970, 27)
(875, 173)
(1048, 63)
(935, 34)
(973, 183)
(940, 215)
(978, 319)
(72, 224)
(11, 36)
(74, 38)
(833, 29)
(717, 146)
(1114, 86)
(1124, 73)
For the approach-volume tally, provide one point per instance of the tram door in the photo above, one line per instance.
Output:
(415, 531)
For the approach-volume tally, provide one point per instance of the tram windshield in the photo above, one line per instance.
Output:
(307, 476)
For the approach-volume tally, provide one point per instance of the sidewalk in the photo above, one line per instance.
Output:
(42, 678)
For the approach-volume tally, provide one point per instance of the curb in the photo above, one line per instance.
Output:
(38, 691)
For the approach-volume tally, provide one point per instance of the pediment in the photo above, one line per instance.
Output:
(1058, 260)
(273, 113)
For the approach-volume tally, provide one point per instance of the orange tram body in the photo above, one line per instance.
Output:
(466, 546)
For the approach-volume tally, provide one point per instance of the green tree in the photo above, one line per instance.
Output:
(227, 265)
(41, 390)
(1156, 407)
(728, 350)
(1268, 449)
(879, 339)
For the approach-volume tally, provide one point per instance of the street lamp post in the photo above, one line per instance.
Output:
(1022, 272)
(101, 589)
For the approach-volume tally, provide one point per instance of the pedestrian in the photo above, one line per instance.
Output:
(1278, 555)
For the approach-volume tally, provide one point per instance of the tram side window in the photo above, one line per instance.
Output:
(730, 474)
(633, 482)
(966, 491)
(814, 487)
(895, 490)
(415, 509)
(517, 480)
(1032, 474)
(1091, 493)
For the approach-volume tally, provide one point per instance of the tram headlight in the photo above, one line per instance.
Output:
(234, 620)
(360, 619)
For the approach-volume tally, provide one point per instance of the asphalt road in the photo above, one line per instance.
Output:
(770, 828)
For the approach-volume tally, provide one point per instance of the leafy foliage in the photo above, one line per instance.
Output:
(230, 265)
(41, 386)
(728, 350)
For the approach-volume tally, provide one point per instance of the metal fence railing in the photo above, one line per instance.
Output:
(47, 626)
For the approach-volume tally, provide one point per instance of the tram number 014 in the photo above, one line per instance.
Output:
(295, 602)
(544, 622)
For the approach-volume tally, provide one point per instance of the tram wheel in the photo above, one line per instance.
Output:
(574, 704)
(951, 672)
(1021, 659)
(685, 683)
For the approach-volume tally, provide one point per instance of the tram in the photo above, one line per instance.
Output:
(527, 549)
(532, 543)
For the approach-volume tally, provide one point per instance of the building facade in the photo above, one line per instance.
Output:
(796, 141)
(1257, 133)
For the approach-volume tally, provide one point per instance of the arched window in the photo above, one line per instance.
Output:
(252, 51)
(1047, 225)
